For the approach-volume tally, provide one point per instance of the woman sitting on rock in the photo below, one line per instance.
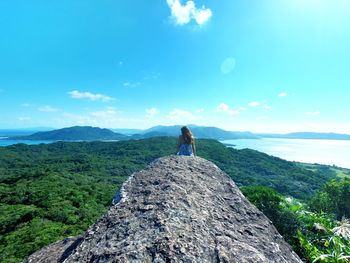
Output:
(185, 144)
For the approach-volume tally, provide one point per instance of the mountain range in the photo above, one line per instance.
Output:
(76, 133)
(88, 133)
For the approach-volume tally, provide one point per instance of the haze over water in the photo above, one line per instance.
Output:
(330, 152)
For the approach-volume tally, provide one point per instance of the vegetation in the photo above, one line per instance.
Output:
(331, 170)
(277, 209)
(86, 133)
(250, 167)
(51, 191)
(334, 199)
(315, 236)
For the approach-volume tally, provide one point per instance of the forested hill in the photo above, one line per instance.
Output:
(199, 131)
(84, 133)
(49, 192)
(88, 133)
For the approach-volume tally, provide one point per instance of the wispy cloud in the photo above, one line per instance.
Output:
(47, 108)
(25, 105)
(312, 113)
(228, 65)
(150, 75)
(223, 107)
(267, 107)
(79, 119)
(108, 112)
(24, 119)
(254, 104)
(131, 84)
(283, 94)
(75, 94)
(180, 115)
(150, 113)
(107, 117)
(183, 14)
(200, 110)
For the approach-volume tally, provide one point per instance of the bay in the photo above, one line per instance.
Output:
(4, 143)
(30, 142)
(329, 152)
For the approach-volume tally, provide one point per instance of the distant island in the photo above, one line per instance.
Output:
(76, 133)
(308, 135)
(88, 133)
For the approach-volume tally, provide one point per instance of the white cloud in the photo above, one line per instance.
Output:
(131, 84)
(203, 15)
(150, 75)
(222, 107)
(47, 108)
(242, 108)
(267, 107)
(108, 117)
(75, 94)
(24, 119)
(79, 119)
(200, 110)
(228, 65)
(150, 113)
(108, 112)
(183, 14)
(180, 115)
(253, 104)
(283, 94)
(26, 105)
(312, 113)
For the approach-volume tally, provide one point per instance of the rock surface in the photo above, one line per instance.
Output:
(179, 209)
(55, 252)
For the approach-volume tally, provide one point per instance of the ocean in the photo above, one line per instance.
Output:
(329, 152)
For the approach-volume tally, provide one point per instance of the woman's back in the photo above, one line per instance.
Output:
(185, 144)
(185, 148)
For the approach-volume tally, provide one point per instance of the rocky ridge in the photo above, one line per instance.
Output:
(179, 209)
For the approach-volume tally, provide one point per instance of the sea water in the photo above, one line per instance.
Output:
(330, 152)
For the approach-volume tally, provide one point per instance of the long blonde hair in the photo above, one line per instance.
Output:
(186, 135)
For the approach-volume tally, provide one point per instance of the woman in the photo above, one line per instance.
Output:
(185, 144)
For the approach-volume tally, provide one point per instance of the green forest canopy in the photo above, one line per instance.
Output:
(51, 191)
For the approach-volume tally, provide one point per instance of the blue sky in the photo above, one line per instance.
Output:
(263, 66)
